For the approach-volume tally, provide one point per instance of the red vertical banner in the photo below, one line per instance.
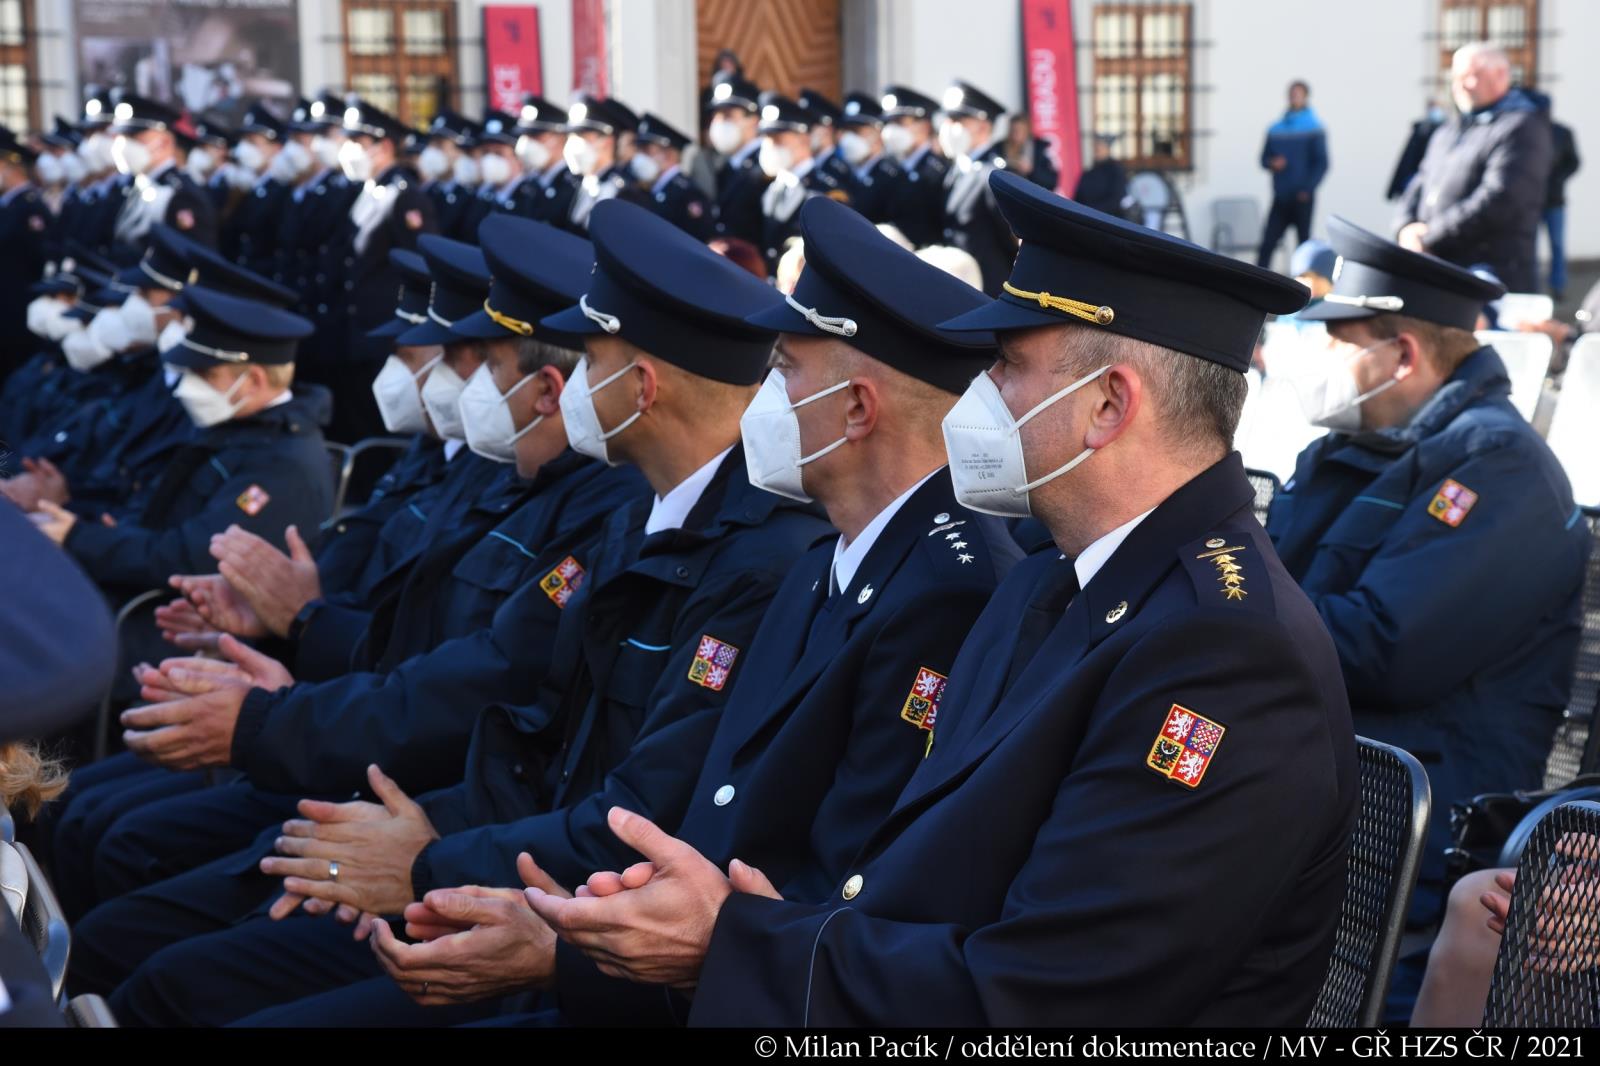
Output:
(511, 56)
(590, 72)
(1050, 63)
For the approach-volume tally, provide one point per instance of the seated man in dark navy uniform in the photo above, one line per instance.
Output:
(1435, 532)
(647, 648)
(806, 759)
(667, 190)
(972, 219)
(861, 145)
(735, 135)
(787, 159)
(546, 192)
(145, 147)
(1125, 733)
(916, 206)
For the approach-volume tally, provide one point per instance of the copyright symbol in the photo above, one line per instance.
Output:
(766, 1046)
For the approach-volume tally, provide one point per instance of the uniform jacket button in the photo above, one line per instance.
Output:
(724, 796)
(683, 571)
(852, 887)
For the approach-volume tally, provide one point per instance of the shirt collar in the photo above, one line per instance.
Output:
(746, 152)
(1092, 558)
(916, 157)
(670, 511)
(278, 401)
(551, 171)
(666, 176)
(12, 194)
(847, 558)
(452, 448)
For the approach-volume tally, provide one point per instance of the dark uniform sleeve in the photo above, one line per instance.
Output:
(194, 214)
(1514, 176)
(655, 779)
(326, 642)
(57, 649)
(412, 216)
(1425, 578)
(1122, 856)
(131, 555)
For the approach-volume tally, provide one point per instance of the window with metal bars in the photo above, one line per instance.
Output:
(401, 56)
(1143, 74)
(19, 108)
(1511, 24)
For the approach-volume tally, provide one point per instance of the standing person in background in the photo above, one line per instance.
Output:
(1479, 193)
(1405, 168)
(1104, 186)
(1564, 163)
(1297, 154)
(1028, 155)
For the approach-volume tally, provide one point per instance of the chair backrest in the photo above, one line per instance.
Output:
(45, 922)
(340, 462)
(1385, 854)
(144, 603)
(1266, 484)
(1575, 427)
(89, 1011)
(370, 459)
(1572, 752)
(1515, 307)
(1544, 975)
(1527, 359)
(1235, 224)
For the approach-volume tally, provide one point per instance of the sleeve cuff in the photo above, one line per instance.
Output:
(252, 721)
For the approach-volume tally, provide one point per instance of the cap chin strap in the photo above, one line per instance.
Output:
(217, 353)
(1376, 303)
(842, 327)
(609, 323)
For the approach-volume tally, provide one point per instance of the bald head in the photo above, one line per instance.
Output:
(1480, 74)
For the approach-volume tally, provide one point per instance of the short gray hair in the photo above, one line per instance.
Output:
(1199, 401)
(533, 355)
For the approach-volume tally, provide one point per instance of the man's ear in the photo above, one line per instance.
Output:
(549, 385)
(648, 384)
(861, 412)
(1409, 350)
(1117, 398)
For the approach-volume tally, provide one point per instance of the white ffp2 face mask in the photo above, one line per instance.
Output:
(83, 353)
(49, 169)
(645, 168)
(250, 156)
(1329, 394)
(399, 401)
(725, 135)
(130, 156)
(486, 417)
(533, 153)
(897, 140)
(496, 171)
(584, 431)
(581, 157)
(109, 330)
(854, 147)
(955, 140)
(984, 443)
(441, 395)
(172, 335)
(42, 310)
(355, 162)
(770, 428)
(774, 158)
(466, 171)
(325, 151)
(139, 318)
(433, 164)
(207, 405)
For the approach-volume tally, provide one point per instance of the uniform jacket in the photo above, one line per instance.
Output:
(678, 200)
(874, 185)
(24, 234)
(917, 201)
(740, 185)
(973, 223)
(1037, 870)
(251, 235)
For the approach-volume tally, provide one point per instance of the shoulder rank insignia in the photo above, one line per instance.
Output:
(1230, 575)
(1452, 502)
(253, 500)
(713, 661)
(1185, 746)
(561, 583)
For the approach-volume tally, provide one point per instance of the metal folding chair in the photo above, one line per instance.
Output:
(1266, 484)
(102, 739)
(339, 458)
(1546, 975)
(1385, 855)
(369, 460)
(1573, 750)
(89, 1012)
(44, 921)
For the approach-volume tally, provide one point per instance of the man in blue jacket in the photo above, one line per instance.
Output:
(1297, 154)
(1435, 532)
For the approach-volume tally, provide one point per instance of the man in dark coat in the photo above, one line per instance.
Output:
(1104, 186)
(1479, 193)
(24, 230)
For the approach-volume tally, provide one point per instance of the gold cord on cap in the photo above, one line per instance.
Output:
(1096, 313)
(505, 321)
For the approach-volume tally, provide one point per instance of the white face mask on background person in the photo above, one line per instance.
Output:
(109, 330)
(441, 395)
(199, 165)
(172, 335)
(584, 432)
(129, 155)
(466, 171)
(41, 311)
(95, 152)
(207, 405)
(581, 156)
(984, 443)
(250, 156)
(399, 402)
(897, 140)
(83, 352)
(854, 147)
(72, 166)
(486, 417)
(770, 428)
(325, 151)
(140, 319)
(62, 327)
(645, 168)
(50, 170)
(355, 162)
(955, 140)
(533, 153)
(496, 171)
(292, 163)
(725, 135)
(774, 158)
(1329, 394)
(433, 164)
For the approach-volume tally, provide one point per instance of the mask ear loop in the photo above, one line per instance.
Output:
(606, 435)
(1040, 406)
(519, 434)
(830, 390)
(1385, 386)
